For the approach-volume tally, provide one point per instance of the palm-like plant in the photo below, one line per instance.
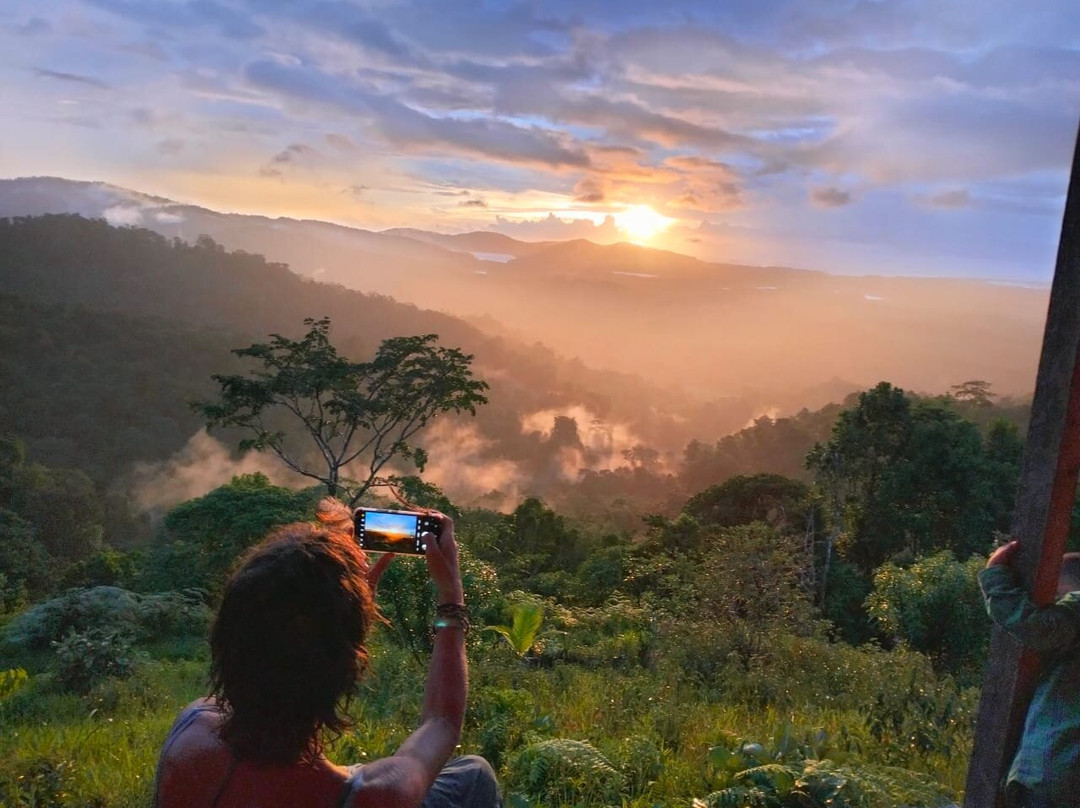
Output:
(526, 619)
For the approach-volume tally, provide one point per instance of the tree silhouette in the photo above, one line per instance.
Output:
(362, 413)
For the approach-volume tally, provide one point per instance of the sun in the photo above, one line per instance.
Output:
(641, 223)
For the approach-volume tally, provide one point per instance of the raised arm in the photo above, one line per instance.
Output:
(403, 779)
(1041, 628)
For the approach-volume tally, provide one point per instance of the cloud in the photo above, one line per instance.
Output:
(196, 14)
(952, 199)
(73, 78)
(473, 203)
(552, 228)
(170, 146)
(409, 129)
(590, 190)
(201, 466)
(462, 463)
(123, 215)
(35, 26)
(830, 197)
(342, 142)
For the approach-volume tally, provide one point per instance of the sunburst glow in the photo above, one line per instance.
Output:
(641, 223)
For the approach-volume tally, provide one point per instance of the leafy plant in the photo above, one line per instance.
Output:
(84, 659)
(563, 771)
(10, 681)
(526, 619)
(783, 776)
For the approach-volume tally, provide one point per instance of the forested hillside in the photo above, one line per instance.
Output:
(680, 608)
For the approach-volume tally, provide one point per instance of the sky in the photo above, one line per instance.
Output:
(913, 137)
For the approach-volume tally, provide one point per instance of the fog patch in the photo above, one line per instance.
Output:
(121, 215)
(460, 461)
(204, 464)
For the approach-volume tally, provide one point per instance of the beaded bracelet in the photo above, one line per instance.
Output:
(451, 615)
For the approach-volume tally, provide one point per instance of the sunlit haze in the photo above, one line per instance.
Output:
(907, 137)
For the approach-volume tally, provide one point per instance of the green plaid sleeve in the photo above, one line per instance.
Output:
(1049, 628)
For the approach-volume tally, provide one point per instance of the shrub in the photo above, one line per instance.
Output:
(107, 608)
(502, 719)
(41, 783)
(935, 607)
(563, 771)
(788, 774)
(84, 659)
(110, 610)
(640, 761)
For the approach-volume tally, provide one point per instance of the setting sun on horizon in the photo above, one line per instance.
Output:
(641, 223)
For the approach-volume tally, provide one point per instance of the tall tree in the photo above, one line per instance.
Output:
(363, 413)
(908, 477)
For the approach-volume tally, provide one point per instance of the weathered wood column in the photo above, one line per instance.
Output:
(1047, 490)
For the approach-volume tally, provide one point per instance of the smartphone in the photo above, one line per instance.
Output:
(383, 531)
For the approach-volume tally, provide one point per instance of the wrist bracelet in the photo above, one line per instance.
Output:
(451, 615)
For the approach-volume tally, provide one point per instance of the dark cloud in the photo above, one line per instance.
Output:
(341, 142)
(830, 197)
(74, 78)
(408, 129)
(590, 190)
(35, 26)
(473, 203)
(292, 153)
(170, 146)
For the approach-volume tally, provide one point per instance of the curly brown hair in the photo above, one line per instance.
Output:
(287, 645)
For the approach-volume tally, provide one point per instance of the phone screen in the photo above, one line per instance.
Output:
(388, 531)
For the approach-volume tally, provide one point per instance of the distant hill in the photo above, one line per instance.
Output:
(106, 333)
(762, 336)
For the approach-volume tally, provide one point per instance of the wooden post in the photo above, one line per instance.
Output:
(1047, 491)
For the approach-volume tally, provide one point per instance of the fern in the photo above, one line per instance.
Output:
(561, 770)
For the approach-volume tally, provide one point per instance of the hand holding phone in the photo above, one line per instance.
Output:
(385, 531)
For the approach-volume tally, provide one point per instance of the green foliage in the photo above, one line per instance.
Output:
(534, 539)
(503, 720)
(104, 568)
(407, 598)
(909, 477)
(84, 659)
(920, 714)
(10, 681)
(641, 762)
(525, 622)
(352, 412)
(770, 498)
(25, 564)
(561, 771)
(790, 775)
(201, 538)
(42, 783)
(111, 610)
(845, 595)
(935, 606)
(717, 612)
(618, 634)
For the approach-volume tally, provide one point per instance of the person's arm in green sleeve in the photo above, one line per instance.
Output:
(1046, 628)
